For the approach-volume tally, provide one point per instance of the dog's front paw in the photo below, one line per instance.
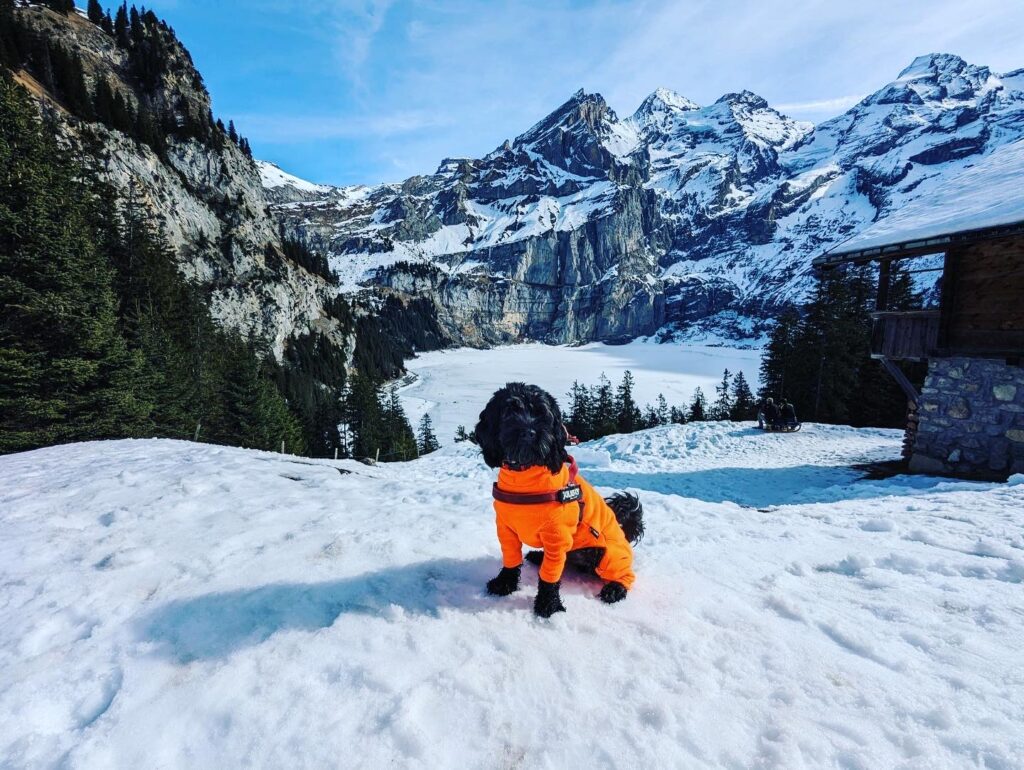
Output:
(548, 602)
(505, 583)
(613, 592)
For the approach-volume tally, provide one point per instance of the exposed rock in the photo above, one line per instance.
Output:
(588, 226)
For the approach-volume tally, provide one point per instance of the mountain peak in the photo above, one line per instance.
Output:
(665, 98)
(744, 97)
(934, 65)
(580, 108)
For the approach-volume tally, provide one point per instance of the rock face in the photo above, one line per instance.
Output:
(677, 218)
(208, 195)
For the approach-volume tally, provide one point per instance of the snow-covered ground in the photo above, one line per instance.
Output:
(167, 604)
(454, 385)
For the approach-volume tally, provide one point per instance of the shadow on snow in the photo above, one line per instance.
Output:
(764, 487)
(217, 624)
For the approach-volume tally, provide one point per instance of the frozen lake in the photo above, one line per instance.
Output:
(453, 385)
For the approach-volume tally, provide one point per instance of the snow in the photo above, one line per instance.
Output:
(168, 604)
(271, 176)
(987, 194)
(450, 385)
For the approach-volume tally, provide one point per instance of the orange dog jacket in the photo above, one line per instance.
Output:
(584, 521)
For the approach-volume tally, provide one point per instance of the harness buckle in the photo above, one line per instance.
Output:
(569, 494)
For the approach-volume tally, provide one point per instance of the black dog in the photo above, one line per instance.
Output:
(541, 501)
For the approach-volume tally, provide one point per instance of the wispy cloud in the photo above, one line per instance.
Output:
(365, 90)
(820, 106)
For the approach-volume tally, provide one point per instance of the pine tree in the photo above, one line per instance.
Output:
(779, 363)
(107, 24)
(364, 416)
(698, 407)
(426, 440)
(743, 404)
(70, 81)
(662, 412)
(103, 102)
(604, 412)
(677, 416)
(121, 117)
(121, 26)
(42, 62)
(66, 373)
(11, 54)
(232, 133)
(401, 441)
(722, 407)
(461, 434)
(627, 414)
(580, 416)
(95, 12)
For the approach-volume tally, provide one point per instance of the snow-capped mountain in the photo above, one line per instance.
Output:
(589, 226)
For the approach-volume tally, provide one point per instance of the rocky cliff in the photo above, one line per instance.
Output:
(203, 188)
(679, 218)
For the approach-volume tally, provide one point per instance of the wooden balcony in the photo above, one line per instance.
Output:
(909, 335)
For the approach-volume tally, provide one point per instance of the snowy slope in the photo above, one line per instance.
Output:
(168, 604)
(590, 226)
(272, 176)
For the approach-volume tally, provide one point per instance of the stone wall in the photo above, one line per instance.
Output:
(971, 419)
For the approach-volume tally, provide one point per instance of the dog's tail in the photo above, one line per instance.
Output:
(630, 515)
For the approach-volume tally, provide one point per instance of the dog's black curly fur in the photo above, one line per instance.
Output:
(520, 427)
(506, 582)
(548, 600)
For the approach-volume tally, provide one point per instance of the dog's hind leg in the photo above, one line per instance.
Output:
(583, 560)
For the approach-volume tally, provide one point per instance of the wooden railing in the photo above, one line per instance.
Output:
(912, 334)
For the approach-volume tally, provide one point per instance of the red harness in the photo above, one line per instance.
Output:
(567, 494)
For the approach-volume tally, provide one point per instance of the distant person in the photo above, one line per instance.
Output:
(769, 414)
(788, 413)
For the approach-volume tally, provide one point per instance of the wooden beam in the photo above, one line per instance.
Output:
(901, 380)
(882, 299)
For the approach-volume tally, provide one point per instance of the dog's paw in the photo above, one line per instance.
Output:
(535, 557)
(548, 601)
(505, 583)
(613, 592)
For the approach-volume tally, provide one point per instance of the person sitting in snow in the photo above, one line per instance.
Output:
(788, 414)
(769, 414)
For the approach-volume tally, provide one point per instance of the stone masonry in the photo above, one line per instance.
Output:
(972, 419)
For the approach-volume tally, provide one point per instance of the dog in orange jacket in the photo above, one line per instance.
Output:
(541, 501)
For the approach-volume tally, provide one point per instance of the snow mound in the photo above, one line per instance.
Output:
(168, 604)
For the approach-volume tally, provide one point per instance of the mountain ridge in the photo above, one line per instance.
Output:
(677, 219)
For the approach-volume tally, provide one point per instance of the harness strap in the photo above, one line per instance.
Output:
(566, 494)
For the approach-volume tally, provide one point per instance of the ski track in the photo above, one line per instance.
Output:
(168, 604)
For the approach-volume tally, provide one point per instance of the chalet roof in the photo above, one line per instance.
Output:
(984, 200)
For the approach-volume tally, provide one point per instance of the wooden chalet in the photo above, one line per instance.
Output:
(968, 419)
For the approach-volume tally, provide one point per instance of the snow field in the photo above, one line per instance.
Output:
(168, 604)
(453, 385)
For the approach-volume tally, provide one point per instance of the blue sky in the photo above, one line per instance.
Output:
(365, 91)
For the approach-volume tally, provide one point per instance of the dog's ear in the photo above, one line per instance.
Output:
(557, 456)
(488, 430)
